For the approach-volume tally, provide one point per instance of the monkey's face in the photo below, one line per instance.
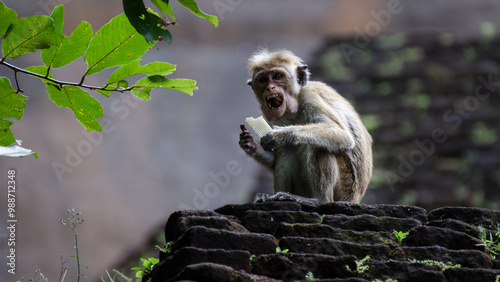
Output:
(273, 88)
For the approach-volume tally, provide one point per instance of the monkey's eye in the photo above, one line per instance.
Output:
(277, 76)
(263, 79)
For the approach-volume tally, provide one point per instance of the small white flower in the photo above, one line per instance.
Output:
(15, 151)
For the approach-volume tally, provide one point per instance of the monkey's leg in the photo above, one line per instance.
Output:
(310, 181)
(325, 177)
(286, 174)
(290, 177)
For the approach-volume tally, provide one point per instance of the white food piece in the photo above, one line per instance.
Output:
(259, 125)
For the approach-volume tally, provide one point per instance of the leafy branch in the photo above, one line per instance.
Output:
(119, 43)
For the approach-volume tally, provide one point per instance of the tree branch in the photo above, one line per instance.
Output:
(19, 90)
(59, 82)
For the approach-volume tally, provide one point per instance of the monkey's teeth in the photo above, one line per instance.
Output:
(274, 101)
(277, 97)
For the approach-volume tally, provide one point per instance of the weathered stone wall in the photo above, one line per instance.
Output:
(432, 105)
(239, 243)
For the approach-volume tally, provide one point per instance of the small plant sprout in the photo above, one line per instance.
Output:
(112, 278)
(400, 235)
(491, 243)
(360, 267)
(310, 276)
(322, 217)
(167, 249)
(72, 221)
(279, 250)
(64, 269)
(147, 266)
(38, 276)
(444, 266)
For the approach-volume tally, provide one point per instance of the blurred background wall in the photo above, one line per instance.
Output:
(180, 152)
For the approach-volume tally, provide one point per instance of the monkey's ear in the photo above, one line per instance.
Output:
(249, 82)
(302, 75)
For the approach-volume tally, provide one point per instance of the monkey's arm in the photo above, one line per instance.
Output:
(266, 158)
(323, 122)
(327, 135)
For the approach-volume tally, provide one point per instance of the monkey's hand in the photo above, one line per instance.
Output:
(246, 141)
(277, 137)
(267, 159)
(268, 142)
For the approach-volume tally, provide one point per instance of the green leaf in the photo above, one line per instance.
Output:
(115, 44)
(86, 109)
(193, 7)
(134, 67)
(58, 18)
(139, 274)
(25, 35)
(6, 136)
(67, 49)
(145, 22)
(11, 103)
(122, 83)
(143, 87)
(11, 106)
(167, 37)
(161, 5)
(164, 6)
(70, 48)
(105, 93)
(7, 16)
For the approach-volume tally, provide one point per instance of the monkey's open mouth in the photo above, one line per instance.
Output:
(275, 101)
